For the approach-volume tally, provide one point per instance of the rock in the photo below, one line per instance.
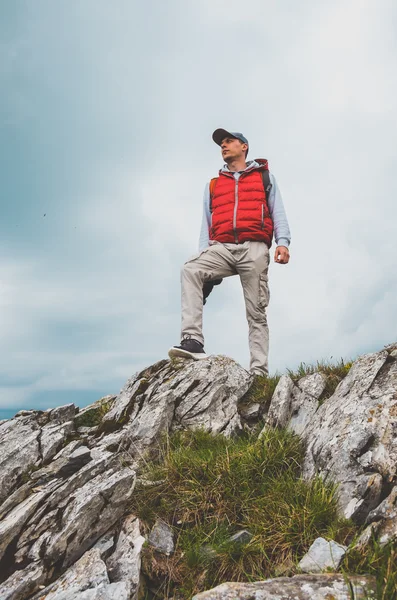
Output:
(352, 437)
(62, 414)
(105, 544)
(124, 564)
(12, 524)
(163, 398)
(305, 397)
(250, 411)
(28, 440)
(280, 406)
(363, 540)
(87, 579)
(383, 520)
(241, 537)
(161, 538)
(23, 583)
(52, 438)
(294, 406)
(300, 587)
(322, 555)
(19, 451)
(88, 514)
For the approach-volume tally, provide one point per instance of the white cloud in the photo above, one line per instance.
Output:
(136, 95)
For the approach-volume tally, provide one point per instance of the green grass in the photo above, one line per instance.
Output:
(333, 372)
(214, 487)
(94, 414)
(262, 389)
(379, 562)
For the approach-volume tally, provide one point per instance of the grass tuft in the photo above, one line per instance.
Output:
(261, 391)
(212, 487)
(334, 373)
(381, 562)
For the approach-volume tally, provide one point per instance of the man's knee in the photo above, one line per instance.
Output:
(189, 270)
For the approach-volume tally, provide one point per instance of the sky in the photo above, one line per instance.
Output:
(106, 116)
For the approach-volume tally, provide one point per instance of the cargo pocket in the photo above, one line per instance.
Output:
(264, 294)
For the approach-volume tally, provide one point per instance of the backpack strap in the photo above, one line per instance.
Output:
(212, 190)
(266, 184)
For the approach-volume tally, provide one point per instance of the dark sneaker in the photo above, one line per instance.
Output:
(189, 348)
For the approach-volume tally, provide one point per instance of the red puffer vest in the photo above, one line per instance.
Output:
(239, 208)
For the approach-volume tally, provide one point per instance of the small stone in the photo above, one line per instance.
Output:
(241, 537)
(322, 555)
(251, 411)
(161, 538)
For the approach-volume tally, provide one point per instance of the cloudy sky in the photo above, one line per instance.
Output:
(106, 116)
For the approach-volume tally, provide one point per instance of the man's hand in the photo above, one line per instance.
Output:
(281, 255)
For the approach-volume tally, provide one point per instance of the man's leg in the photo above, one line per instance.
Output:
(215, 262)
(253, 270)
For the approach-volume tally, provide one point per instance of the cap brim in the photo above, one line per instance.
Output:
(221, 134)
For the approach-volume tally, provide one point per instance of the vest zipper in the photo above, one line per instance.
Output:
(263, 217)
(235, 212)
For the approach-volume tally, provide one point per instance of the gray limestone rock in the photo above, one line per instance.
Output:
(300, 587)
(89, 572)
(322, 555)
(352, 437)
(28, 440)
(161, 538)
(250, 411)
(383, 520)
(89, 513)
(305, 397)
(52, 438)
(124, 564)
(21, 584)
(280, 409)
(12, 524)
(19, 451)
(294, 406)
(165, 397)
(105, 544)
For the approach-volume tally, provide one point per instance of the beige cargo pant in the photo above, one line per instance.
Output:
(250, 260)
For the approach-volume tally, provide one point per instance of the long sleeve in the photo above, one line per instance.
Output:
(282, 232)
(206, 220)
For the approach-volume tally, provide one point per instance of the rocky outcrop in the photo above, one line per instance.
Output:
(300, 587)
(67, 478)
(351, 437)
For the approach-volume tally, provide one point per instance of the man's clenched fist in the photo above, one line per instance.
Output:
(281, 255)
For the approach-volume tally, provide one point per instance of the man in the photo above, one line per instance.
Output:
(239, 220)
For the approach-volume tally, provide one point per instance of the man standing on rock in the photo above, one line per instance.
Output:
(243, 208)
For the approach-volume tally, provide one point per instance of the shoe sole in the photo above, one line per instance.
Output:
(179, 353)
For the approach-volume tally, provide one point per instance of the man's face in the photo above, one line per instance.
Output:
(232, 149)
